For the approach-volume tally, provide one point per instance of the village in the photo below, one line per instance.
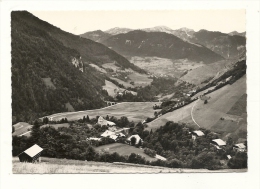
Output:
(121, 135)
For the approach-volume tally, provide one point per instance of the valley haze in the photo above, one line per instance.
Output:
(112, 99)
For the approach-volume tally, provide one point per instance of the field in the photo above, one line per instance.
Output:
(21, 128)
(224, 103)
(124, 149)
(134, 111)
(115, 68)
(110, 87)
(122, 82)
(140, 79)
(47, 81)
(69, 107)
(55, 166)
(206, 72)
(98, 68)
(162, 67)
(56, 126)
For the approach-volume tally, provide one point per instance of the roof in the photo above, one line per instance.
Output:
(102, 121)
(219, 142)
(160, 157)
(240, 145)
(113, 137)
(107, 133)
(93, 138)
(34, 150)
(198, 132)
(121, 134)
(110, 123)
(229, 156)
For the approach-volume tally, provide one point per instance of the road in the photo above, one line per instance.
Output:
(192, 114)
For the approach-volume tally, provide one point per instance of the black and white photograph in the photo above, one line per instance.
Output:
(129, 91)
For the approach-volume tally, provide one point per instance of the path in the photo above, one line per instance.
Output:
(25, 133)
(192, 114)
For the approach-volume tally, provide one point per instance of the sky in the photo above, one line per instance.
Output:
(78, 22)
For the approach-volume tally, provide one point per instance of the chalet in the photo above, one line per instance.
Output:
(32, 154)
(123, 131)
(218, 143)
(102, 121)
(107, 133)
(93, 138)
(112, 135)
(137, 137)
(239, 147)
(195, 134)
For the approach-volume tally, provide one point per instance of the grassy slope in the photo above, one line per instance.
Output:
(124, 149)
(53, 165)
(122, 82)
(24, 129)
(200, 74)
(109, 87)
(21, 128)
(134, 111)
(140, 79)
(208, 115)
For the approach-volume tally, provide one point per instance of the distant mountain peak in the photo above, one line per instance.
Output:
(117, 30)
(158, 29)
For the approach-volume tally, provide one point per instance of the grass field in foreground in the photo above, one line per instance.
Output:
(55, 166)
(124, 149)
(134, 111)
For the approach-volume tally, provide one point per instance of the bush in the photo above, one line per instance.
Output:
(239, 161)
(150, 152)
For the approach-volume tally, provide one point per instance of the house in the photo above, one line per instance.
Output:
(93, 138)
(137, 137)
(102, 121)
(195, 134)
(239, 147)
(112, 135)
(218, 143)
(32, 154)
(107, 133)
(113, 129)
(229, 156)
(123, 131)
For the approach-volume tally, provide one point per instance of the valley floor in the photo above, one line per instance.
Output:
(134, 111)
(56, 166)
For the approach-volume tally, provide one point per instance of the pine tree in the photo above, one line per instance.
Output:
(87, 119)
(35, 134)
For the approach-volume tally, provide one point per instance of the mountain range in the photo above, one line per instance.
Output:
(160, 44)
(228, 45)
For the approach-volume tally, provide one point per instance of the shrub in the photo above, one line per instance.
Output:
(150, 152)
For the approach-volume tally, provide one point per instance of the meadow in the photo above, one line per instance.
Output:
(59, 166)
(163, 67)
(224, 103)
(123, 149)
(134, 111)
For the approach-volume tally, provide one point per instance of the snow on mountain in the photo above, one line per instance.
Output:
(117, 30)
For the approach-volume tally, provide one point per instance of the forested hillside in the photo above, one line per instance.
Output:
(44, 80)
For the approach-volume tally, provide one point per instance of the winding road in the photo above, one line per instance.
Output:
(192, 114)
